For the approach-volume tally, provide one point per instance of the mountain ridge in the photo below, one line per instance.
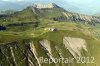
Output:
(56, 13)
(22, 5)
(70, 16)
(29, 36)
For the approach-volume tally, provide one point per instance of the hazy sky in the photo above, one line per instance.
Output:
(88, 6)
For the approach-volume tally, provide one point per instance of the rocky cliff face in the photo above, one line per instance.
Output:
(82, 18)
(59, 14)
(43, 6)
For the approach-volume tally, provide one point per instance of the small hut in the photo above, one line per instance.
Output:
(51, 29)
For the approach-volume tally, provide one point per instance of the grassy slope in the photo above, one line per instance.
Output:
(56, 40)
(63, 29)
(25, 15)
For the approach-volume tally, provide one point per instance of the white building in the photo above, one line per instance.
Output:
(50, 29)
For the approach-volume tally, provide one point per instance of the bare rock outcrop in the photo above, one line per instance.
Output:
(33, 49)
(74, 45)
(46, 46)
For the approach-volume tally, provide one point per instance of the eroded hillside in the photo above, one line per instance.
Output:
(60, 44)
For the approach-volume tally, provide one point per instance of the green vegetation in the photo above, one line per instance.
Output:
(25, 27)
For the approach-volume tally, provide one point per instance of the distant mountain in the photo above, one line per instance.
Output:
(98, 14)
(7, 12)
(60, 14)
(6, 5)
(51, 12)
